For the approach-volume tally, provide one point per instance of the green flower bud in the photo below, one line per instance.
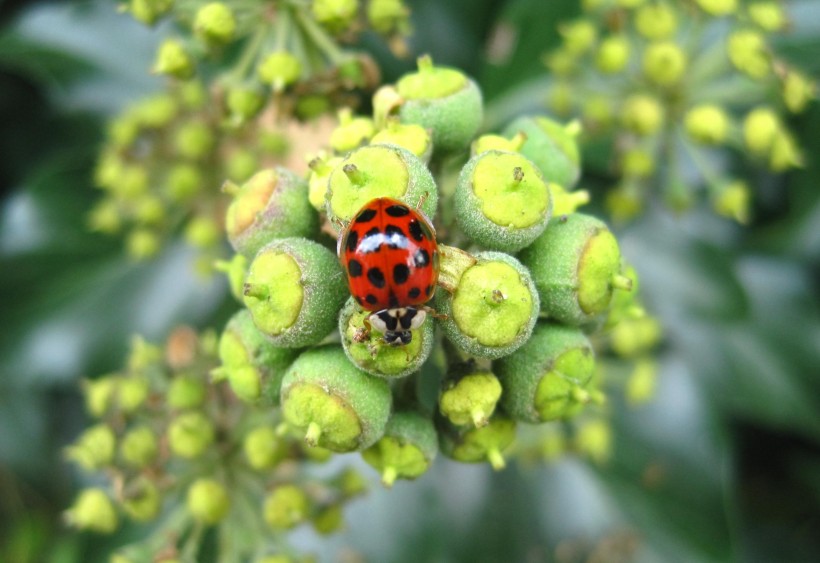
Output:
(190, 434)
(379, 171)
(388, 16)
(414, 138)
(329, 519)
(185, 392)
(707, 124)
(142, 244)
(202, 232)
(131, 392)
(286, 507)
(493, 308)
(637, 163)
(561, 62)
(613, 54)
(320, 169)
(273, 204)
(760, 128)
(486, 143)
(338, 406)
(406, 450)
(502, 201)
(208, 501)
(469, 396)
(215, 23)
(142, 499)
(748, 53)
(640, 387)
(139, 447)
(183, 182)
(598, 111)
(442, 100)
(369, 352)
(294, 291)
(193, 95)
(155, 112)
(769, 15)
(93, 511)
(664, 63)
(131, 183)
(241, 165)
(310, 107)
(718, 8)
(94, 448)
(244, 102)
(642, 114)
(105, 217)
(551, 146)
(656, 21)
(594, 440)
(548, 376)
(475, 445)
(149, 11)
(798, 91)
(252, 365)
(352, 132)
(734, 201)
(194, 140)
(263, 448)
(235, 270)
(579, 35)
(785, 152)
(149, 210)
(123, 130)
(279, 69)
(173, 60)
(98, 394)
(564, 202)
(576, 266)
(633, 337)
(335, 15)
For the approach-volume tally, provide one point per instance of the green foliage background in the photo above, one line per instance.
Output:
(723, 465)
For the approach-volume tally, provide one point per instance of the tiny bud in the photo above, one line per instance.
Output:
(656, 21)
(642, 114)
(190, 434)
(194, 140)
(286, 507)
(760, 127)
(93, 511)
(594, 439)
(142, 499)
(613, 54)
(664, 63)
(798, 91)
(748, 53)
(769, 15)
(718, 8)
(139, 447)
(734, 201)
(94, 448)
(215, 23)
(263, 448)
(235, 270)
(335, 15)
(208, 501)
(173, 60)
(707, 124)
(280, 69)
(578, 35)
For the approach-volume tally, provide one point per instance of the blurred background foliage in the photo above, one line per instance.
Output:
(724, 463)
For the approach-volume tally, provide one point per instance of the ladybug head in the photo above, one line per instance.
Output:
(396, 324)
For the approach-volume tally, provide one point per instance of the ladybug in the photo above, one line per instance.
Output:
(390, 255)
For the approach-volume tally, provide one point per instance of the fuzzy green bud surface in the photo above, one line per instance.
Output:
(190, 434)
(477, 445)
(707, 124)
(551, 146)
(470, 398)
(279, 69)
(173, 60)
(139, 447)
(406, 450)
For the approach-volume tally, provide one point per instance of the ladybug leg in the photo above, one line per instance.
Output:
(433, 313)
(421, 200)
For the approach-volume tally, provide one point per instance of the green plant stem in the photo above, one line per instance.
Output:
(319, 37)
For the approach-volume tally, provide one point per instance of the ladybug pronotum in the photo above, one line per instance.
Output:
(390, 255)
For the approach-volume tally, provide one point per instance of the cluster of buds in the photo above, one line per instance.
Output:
(180, 455)
(685, 84)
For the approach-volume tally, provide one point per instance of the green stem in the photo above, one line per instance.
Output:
(319, 37)
(250, 53)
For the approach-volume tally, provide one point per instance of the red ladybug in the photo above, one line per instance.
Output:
(390, 254)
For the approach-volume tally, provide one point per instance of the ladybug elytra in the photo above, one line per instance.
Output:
(390, 255)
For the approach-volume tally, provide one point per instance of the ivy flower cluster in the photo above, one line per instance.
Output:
(676, 86)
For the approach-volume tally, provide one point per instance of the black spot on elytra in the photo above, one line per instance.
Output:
(370, 298)
(428, 290)
(413, 293)
(400, 273)
(395, 237)
(358, 299)
(365, 216)
(354, 268)
(352, 239)
(376, 277)
(421, 258)
(416, 231)
(397, 211)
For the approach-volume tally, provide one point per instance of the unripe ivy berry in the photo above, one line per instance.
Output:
(202, 232)
(253, 366)
(142, 244)
(183, 182)
(388, 16)
(286, 507)
(476, 445)
(156, 112)
(579, 35)
(263, 448)
(576, 266)
(369, 352)
(208, 501)
(190, 434)
(785, 153)
(94, 448)
(443, 100)
(733, 200)
(640, 387)
(718, 8)
(637, 163)
(93, 511)
(139, 447)
(215, 23)
(338, 406)
(406, 450)
(798, 91)
(173, 60)
(98, 394)
(194, 140)
(634, 337)
(760, 127)
(664, 63)
(469, 396)
(410, 136)
(320, 169)
(769, 15)
(642, 114)
(141, 499)
(379, 171)
(149, 11)
(613, 54)
(493, 307)
(551, 146)
(328, 519)
(294, 291)
(273, 204)
(131, 391)
(235, 270)
(748, 53)
(335, 15)
(502, 201)
(186, 392)
(548, 375)
(149, 210)
(105, 217)
(594, 439)
(486, 143)
(656, 21)
(279, 69)
(352, 132)
(244, 102)
(132, 182)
